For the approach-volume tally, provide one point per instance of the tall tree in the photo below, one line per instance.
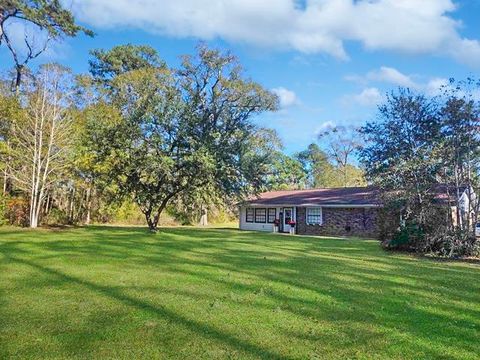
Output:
(40, 137)
(399, 152)
(93, 125)
(316, 163)
(459, 114)
(287, 173)
(425, 150)
(342, 143)
(184, 131)
(10, 109)
(46, 16)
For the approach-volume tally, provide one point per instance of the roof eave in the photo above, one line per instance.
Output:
(342, 205)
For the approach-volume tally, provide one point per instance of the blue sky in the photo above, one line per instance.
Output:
(330, 61)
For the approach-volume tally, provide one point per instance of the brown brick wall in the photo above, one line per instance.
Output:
(341, 221)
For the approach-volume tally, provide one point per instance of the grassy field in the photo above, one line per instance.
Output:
(106, 292)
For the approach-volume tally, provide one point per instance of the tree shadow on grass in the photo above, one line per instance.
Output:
(157, 310)
(355, 284)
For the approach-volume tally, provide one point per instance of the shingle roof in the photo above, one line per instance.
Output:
(329, 196)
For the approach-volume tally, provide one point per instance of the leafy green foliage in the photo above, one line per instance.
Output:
(317, 165)
(286, 173)
(321, 173)
(405, 238)
(342, 143)
(400, 152)
(3, 210)
(56, 217)
(182, 131)
(107, 64)
(48, 15)
(422, 148)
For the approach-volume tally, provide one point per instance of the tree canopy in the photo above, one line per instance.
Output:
(422, 148)
(184, 130)
(105, 65)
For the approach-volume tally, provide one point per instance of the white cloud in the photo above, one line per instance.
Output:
(320, 26)
(392, 76)
(367, 97)
(431, 87)
(434, 86)
(327, 125)
(286, 97)
(384, 74)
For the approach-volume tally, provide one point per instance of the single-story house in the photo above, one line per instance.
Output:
(331, 211)
(355, 211)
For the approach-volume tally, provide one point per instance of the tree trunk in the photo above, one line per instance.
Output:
(71, 210)
(152, 221)
(89, 205)
(457, 198)
(18, 78)
(33, 215)
(5, 177)
(203, 216)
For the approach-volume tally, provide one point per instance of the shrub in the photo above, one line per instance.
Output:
(406, 238)
(17, 211)
(57, 217)
(388, 222)
(3, 210)
(440, 241)
(452, 243)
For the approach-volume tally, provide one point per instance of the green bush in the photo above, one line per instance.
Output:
(408, 238)
(56, 217)
(3, 210)
(439, 241)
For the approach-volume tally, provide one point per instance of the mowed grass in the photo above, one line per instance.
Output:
(187, 293)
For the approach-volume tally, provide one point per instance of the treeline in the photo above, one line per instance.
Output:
(315, 167)
(137, 135)
(133, 130)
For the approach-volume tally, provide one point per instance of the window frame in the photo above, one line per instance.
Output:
(320, 215)
(274, 215)
(253, 215)
(265, 216)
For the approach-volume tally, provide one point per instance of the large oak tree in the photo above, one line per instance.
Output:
(183, 131)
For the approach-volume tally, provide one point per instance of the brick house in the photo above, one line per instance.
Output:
(336, 211)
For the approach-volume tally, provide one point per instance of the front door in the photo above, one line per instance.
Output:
(287, 217)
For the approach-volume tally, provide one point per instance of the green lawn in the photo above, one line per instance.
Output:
(106, 292)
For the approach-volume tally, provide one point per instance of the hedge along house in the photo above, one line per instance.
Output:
(335, 211)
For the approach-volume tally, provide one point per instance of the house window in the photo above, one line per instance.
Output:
(314, 216)
(249, 215)
(272, 215)
(260, 215)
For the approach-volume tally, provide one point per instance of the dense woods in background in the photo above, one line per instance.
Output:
(136, 140)
(135, 136)
(134, 131)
